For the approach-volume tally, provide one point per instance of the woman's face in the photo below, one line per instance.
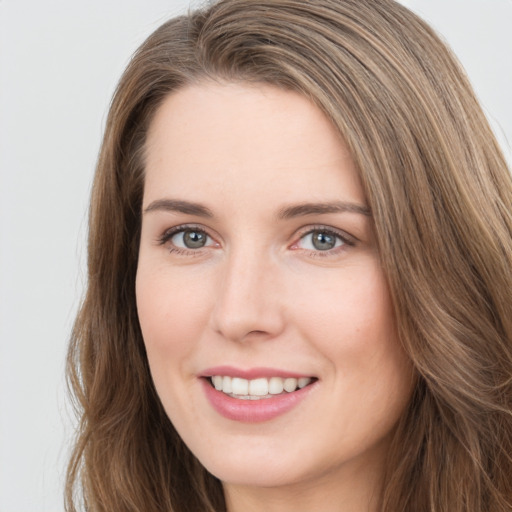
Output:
(259, 275)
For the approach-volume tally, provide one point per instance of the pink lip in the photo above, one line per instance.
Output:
(252, 373)
(253, 411)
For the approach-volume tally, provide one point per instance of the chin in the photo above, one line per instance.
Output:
(257, 465)
(269, 474)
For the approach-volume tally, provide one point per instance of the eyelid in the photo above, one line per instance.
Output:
(346, 238)
(167, 235)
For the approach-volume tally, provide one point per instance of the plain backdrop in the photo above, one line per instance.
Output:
(59, 63)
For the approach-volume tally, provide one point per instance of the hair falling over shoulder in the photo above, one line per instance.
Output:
(441, 199)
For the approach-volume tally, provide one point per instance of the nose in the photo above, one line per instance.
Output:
(249, 302)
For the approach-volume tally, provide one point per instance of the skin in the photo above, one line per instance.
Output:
(259, 293)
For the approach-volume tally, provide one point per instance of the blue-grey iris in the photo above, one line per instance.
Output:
(323, 241)
(194, 239)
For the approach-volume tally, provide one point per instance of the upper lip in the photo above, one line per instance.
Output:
(251, 373)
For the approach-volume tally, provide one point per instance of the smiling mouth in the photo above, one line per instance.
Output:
(257, 389)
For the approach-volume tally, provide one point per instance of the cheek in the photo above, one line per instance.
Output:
(352, 309)
(350, 320)
(172, 312)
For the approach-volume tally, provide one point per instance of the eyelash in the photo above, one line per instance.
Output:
(168, 235)
(345, 238)
(346, 241)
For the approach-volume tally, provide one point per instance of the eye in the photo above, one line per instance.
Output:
(323, 240)
(185, 238)
(190, 239)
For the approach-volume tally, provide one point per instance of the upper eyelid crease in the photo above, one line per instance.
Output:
(345, 237)
(169, 233)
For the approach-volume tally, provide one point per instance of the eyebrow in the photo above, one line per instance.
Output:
(175, 205)
(301, 210)
(289, 212)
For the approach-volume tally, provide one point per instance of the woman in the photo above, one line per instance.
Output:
(299, 272)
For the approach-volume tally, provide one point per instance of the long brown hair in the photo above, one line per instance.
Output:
(441, 199)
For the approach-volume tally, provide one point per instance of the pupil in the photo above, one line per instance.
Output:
(194, 239)
(323, 241)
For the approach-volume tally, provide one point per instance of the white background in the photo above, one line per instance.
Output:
(59, 63)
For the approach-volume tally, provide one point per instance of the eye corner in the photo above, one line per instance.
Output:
(334, 241)
(198, 238)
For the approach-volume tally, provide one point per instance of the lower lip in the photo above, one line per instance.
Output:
(253, 411)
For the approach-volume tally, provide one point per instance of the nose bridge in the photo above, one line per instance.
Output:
(248, 298)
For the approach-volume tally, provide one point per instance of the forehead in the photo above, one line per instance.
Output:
(247, 140)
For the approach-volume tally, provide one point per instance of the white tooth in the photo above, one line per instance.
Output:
(217, 382)
(226, 385)
(239, 386)
(258, 387)
(303, 382)
(290, 384)
(275, 385)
